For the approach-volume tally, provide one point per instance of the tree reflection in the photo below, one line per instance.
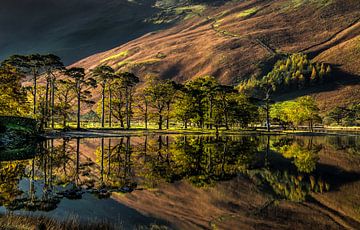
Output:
(286, 167)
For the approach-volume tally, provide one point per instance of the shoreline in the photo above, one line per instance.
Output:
(108, 133)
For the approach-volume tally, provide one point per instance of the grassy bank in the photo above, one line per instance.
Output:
(8, 222)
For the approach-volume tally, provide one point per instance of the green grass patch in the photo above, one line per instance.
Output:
(217, 24)
(123, 63)
(248, 12)
(190, 11)
(116, 56)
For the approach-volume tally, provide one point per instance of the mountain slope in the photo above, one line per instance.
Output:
(242, 38)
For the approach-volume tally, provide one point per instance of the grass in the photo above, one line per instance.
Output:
(248, 12)
(196, 9)
(123, 63)
(10, 222)
(218, 23)
(116, 56)
(17, 127)
(15, 222)
(190, 11)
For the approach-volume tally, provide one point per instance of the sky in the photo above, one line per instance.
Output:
(71, 29)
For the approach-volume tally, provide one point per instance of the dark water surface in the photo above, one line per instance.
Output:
(182, 181)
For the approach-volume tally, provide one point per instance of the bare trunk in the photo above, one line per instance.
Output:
(226, 121)
(52, 102)
(127, 108)
(211, 113)
(110, 106)
(168, 115)
(35, 90)
(146, 115)
(46, 114)
(103, 107)
(160, 121)
(130, 109)
(267, 108)
(78, 110)
(64, 120)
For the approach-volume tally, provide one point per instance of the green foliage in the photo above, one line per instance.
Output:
(116, 56)
(345, 116)
(161, 94)
(247, 12)
(300, 111)
(295, 72)
(13, 99)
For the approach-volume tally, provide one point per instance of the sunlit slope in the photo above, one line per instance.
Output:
(231, 41)
(241, 38)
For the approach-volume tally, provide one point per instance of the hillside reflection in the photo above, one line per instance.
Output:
(283, 167)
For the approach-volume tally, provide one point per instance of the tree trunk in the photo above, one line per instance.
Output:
(146, 115)
(47, 103)
(103, 106)
(35, 90)
(121, 117)
(168, 115)
(226, 121)
(160, 121)
(121, 121)
(267, 117)
(130, 110)
(78, 110)
(52, 102)
(110, 106)
(211, 113)
(64, 120)
(127, 107)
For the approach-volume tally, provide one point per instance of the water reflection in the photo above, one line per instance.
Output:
(284, 167)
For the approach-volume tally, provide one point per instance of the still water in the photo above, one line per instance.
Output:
(187, 182)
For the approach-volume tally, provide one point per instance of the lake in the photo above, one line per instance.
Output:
(188, 181)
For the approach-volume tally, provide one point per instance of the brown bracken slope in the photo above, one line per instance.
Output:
(242, 38)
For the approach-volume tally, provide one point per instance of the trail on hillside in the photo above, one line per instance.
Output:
(226, 33)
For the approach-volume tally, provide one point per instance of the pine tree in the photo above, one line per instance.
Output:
(328, 70)
(322, 72)
(313, 76)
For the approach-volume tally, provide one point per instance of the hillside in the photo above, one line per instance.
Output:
(235, 40)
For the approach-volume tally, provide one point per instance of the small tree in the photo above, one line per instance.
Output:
(159, 93)
(32, 65)
(52, 64)
(80, 85)
(65, 97)
(103, 74)
(129, 80)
